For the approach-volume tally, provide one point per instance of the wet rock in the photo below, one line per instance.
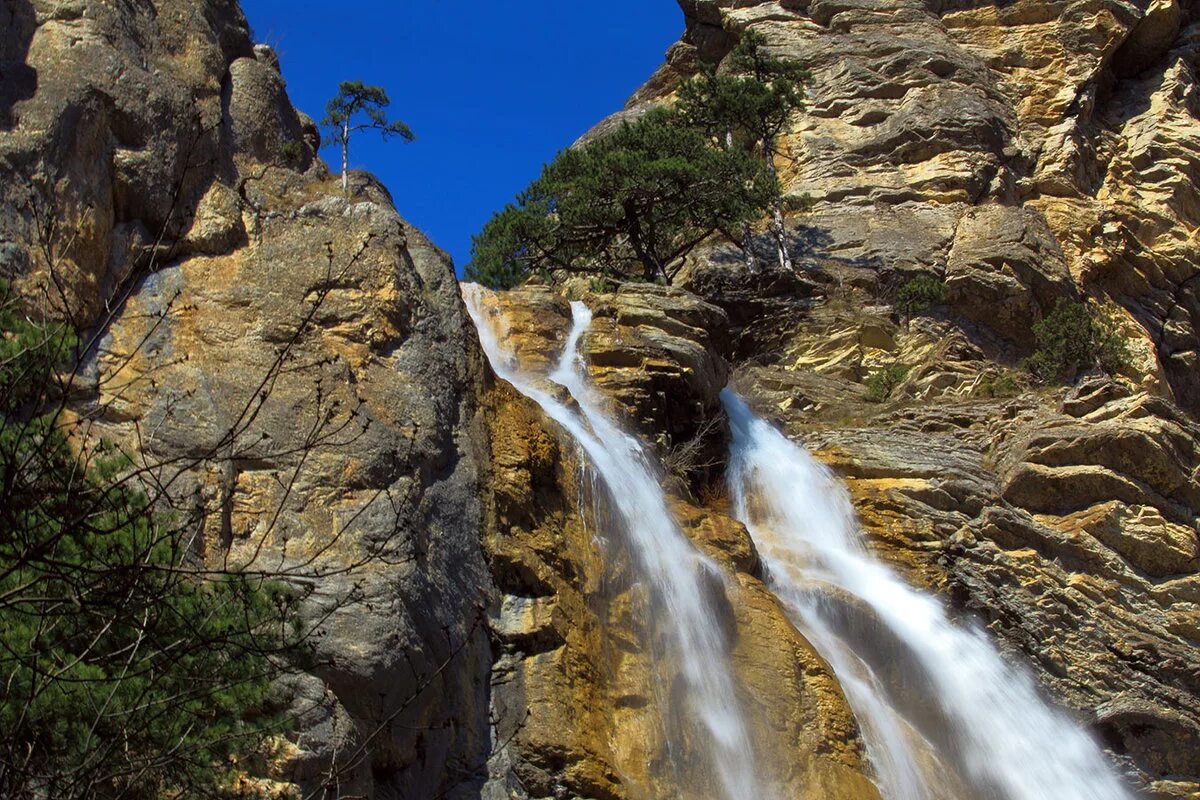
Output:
(1074, 535)
(578, 692)
(659, 353)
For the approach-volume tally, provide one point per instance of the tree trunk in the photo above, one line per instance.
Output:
(748, 247)
(650, 264)
(346, 159)
(777, 226)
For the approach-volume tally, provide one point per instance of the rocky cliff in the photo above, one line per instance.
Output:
(297, 365)
(294, 365)
(584, 681)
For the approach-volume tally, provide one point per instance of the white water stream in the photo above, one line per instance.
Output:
(675, 573)
(943, 715)
(915, 680)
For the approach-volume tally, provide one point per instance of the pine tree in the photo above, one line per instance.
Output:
(748, 105)
(636, 201)
(344, 115)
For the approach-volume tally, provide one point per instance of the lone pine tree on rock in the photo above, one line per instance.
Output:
(358, 107)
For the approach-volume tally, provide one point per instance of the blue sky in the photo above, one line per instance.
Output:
(492, 88)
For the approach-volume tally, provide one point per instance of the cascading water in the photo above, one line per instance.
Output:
(914, 679)
(676, 574)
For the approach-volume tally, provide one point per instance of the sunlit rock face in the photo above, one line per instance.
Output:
(297, 363)
(1022, 152)
(657, 353)
(583, 686)
(1003, 146)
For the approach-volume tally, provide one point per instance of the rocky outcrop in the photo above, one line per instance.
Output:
(657, 353)
(1071, 534)
(292, 364)
(997, 145)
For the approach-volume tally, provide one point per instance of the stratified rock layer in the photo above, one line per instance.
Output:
(1005, 147)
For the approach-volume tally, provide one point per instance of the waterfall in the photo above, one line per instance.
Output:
(678, 577)
(915, 680)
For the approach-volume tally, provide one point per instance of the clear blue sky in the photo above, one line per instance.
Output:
(492, 88)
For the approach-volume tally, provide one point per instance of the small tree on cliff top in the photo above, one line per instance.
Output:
(636, 201)
(748, 106)
(358, 107)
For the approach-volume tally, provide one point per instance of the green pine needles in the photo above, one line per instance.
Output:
(358, 107)
(637, 201)
(882, 383)
(125, 671)
(920, 294)
(1073, 339)
(746, 104)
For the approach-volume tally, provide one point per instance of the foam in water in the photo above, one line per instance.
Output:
(675, 573)
(914, 679)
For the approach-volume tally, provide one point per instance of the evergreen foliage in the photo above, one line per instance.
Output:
(998, 386)
(920, 294)
(746, 104)
(636, 201)
(124, 671)
(750, 103)
(1073, 339)
(883, 382)
(641, 198)
(358, 107)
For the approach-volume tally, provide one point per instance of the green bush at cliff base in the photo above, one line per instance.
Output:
(1072, 339)
(920, 294)
(601, 285)
(882, 383)
(122, 673)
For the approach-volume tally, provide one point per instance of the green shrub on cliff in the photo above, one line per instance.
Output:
(883, 382)
(634, 202)
(125, 671)
(1072, 339)
(920, 294)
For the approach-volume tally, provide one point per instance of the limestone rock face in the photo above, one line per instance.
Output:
(295, 364)
(656, 353)
(996, 145)
(1020, 152)
(1070, 531)
(1005, 269)
(659, 353)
